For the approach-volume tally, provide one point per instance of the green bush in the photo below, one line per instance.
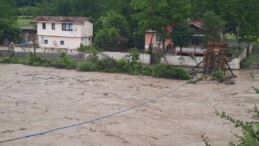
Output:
(218, 75)
(133, 56)
(146, 70)
(6, 59)
(123, 65)
(64, 62)
(88, 66)
(108, 65)
(256, 90)
(33, 59)
(135, 68)
(167, 71)
(180, 73)
(163, 70)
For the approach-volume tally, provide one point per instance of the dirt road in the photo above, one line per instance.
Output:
(36, 99)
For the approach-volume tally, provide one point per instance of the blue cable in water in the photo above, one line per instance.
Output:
(93, 120)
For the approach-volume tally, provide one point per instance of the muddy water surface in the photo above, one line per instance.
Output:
(35, 99)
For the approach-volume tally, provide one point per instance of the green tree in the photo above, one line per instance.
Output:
(90, 8)
(106, 37)
(213, 26)
(45, 8)
(182, 35)
(8, 28)
(124, 8)
(62, 7)
(157, 15)
(22, 3)
(116, 20)
(233, 12)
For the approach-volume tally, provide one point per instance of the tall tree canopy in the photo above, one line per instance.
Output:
(233, 12)
(8, 29)
(213, 25)
(157, 14)
(140, 15)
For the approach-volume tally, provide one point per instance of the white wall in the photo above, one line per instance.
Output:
(188, 61)
(243, 54)
(69, 43)
(235, 63)
(182, 60)
(143, 58)
(45, 50)
(87, 29)
(76, 32)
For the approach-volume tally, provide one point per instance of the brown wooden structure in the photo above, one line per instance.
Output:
(215, 57)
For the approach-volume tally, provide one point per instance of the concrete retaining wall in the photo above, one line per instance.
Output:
(181, 60)
(144, 58)
(45, 50)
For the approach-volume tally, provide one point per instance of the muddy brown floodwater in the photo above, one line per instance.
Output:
(36, 99)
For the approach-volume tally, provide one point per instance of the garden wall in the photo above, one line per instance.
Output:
(144, 58)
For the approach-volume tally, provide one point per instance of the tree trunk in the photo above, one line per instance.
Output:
(34, 44)
(164, 37)
(181, 48)
(150, 43)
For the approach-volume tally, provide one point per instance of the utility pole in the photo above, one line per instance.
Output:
(238, 30)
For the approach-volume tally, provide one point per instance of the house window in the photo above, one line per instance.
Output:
(46, 41)
(157, 39)
(67, 26)
(53, 26)
(43, 25)
(62, 42)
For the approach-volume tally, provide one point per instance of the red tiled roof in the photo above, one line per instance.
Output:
(70, 19)
(196, 23)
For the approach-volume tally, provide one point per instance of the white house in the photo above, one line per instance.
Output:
(63, 31)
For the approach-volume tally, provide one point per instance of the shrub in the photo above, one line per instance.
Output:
(123, 65)
(108, 65)
(89, 49)
(87, 66)
(180, 73)
(6, 59)
(218, 75)
(33, 59)
(135, 68)
(163, 70)
(256, 90)
(65, 61)
(133, 56)
(167, 71)
(146, 70)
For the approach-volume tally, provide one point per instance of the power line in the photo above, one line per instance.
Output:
(95, 119)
